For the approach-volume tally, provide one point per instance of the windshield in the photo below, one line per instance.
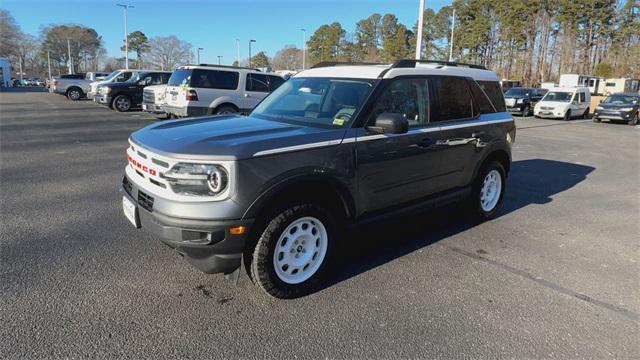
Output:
(180, 77)
(621, 99)
(558, 96)
(112, 75)
(517, 92)
(317, 102)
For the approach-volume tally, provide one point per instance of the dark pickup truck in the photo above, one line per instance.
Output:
(126, 95)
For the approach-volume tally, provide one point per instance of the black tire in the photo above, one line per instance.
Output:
(262, 267)
(586, 114)
(474, 205)
(567, 116)
(526, 111)
(225, 109)
(121, 103)
(596, 119)
(634, 120)
(74, 93)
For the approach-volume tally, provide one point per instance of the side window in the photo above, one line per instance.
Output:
(257, 82)
(275, 82)
(124, 76)
(451, 99)
(582, 97)
(214, 79)
(482, 104)
(408, 97)
(493, 90)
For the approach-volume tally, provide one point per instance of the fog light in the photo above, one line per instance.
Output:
(237, 230)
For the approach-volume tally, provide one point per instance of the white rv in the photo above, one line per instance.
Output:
(573, 80)
(5, 73)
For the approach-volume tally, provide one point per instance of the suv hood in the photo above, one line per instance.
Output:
(554, 104)
(516, 97)
(229, 137)
(617, 106)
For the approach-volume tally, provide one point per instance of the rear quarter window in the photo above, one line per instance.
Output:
(214, 79)
(450, 99)
(494, 92)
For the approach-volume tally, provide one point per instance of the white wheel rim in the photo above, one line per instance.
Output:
(491, 189)
(300, 250)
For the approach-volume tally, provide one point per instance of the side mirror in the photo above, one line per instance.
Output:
(390, 123)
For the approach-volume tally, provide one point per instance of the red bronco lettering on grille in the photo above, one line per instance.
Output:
(140, 166)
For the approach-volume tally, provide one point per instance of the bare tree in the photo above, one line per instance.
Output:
(288, 58)
(166, 53)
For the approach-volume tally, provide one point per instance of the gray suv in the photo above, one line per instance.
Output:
(335, 145)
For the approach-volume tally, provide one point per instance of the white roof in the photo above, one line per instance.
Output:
(374, 71)
(569, 89)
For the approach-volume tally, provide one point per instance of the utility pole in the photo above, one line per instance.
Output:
(238, 51)
(199, 54)
(453, 25)
(419, 37)
(250, 41)
(219, 60)
(304, 48)
(49, 62)
(20, 68)
(126, 35)
(70, 63)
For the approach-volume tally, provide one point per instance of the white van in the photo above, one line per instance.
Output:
(198, 90)
(564, 103)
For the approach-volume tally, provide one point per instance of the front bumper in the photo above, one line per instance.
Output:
(613, 115)
(152, 108)
(91, 95)
(206, 244)
(517, 109)
(549, 114)
(103, 99)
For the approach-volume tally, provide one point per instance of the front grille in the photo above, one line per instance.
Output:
(126, 185)
(546, 108)
(148, 97)
(145, 201)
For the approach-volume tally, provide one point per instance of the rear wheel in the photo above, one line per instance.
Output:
(225, 109)
(488, 191)
(291, 256)
(74, 93)
(122, 103)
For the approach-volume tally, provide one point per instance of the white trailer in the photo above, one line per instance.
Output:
(618, 85)
(548, 85)
(5, 73)
(573, 80)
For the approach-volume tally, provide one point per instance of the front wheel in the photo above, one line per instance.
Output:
(488, 191)
(291, 256)
(634, 120)
(586, 114)
(122, 103)
(567, 115)
(526, 111)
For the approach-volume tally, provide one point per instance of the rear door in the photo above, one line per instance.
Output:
(256, 88)
(458, 115)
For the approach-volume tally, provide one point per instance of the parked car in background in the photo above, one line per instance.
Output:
(121, 75)
(123, 96)
(564, 103)
(619, 107)
(198, 90)
(74, 86)
(331, 147)
(153, 100)
(508, 84)
(521, 100)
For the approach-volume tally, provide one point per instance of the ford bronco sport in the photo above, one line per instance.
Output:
(333, 146)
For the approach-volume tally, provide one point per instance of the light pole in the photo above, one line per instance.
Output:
(219, 59)
(70, 64)
(199, 54)
(453, 24)
(250, 41)
(238, 52)
(126, 35)
(49, 62)
(304, 48)
(419, 37)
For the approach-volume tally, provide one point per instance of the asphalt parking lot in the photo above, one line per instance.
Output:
(554, 276)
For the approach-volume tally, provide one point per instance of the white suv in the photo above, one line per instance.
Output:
(198, 90)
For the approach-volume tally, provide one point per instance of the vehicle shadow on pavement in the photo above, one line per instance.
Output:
(533, 181)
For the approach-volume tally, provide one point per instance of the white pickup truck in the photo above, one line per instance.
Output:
(75, 87)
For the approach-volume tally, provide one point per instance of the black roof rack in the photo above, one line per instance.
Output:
(224, 66)
(411, 63)
(342, 63)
